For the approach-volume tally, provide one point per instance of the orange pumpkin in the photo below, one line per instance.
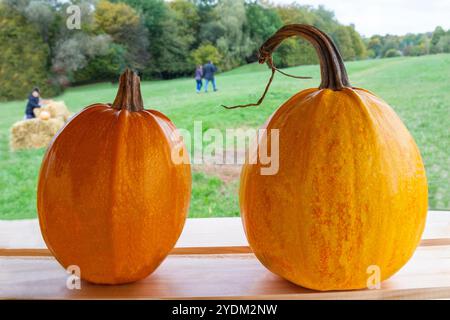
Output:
(110, 199)
(348, 204)
(44, 115)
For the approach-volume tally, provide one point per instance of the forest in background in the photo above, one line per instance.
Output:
(166, 39)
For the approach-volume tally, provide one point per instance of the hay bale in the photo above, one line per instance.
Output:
(57, 109)
(34, 133)
(39, 132)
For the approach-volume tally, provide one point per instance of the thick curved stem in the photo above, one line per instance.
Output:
(332, 69)
(334, 75)
(129, 93)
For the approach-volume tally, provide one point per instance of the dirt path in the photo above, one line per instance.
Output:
(228, 173)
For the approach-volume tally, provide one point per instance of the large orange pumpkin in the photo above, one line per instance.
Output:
(110, 199)
(349, 200)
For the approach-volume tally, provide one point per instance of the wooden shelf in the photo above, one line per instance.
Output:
(212, 260)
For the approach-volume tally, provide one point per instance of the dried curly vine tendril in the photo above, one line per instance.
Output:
(332, 69)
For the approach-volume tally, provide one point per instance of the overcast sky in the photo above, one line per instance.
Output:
(387, 16)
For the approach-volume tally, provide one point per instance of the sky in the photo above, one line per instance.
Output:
(397, 17)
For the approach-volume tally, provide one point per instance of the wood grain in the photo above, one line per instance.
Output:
(212, 260)
(238, 276)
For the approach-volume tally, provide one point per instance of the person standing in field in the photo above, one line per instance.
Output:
(199, 77)
(33, 103)
(208, 73)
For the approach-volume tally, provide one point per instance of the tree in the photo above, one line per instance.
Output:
(392, 53)
(205, 53)
(301, 52)
(42, 15)
(116, 19)
(293, 52)
(343, 38)
(181, 30)
(324, 19)
(124, 25)
(164, 38)
(295, 13)
(375, 45)
(408, 45)
(169, 47)
(173, 58)
(186, 14)
(74, 53)
(106, 67)
(234, 44)
(444, 43)
(358, 43)
(437, 34)
(262, 22)
(390, 42)
(17, 5)
(23, 57)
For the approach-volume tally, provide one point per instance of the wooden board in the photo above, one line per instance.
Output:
(224, 269)
(426, 276)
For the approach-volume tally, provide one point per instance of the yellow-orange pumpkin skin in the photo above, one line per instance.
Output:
(110, 199)
(350, 195)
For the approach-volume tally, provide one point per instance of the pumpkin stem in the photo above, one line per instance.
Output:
(129, 93)
(332, 69)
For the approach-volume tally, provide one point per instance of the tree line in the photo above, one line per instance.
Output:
(164, 39)
(419, 44)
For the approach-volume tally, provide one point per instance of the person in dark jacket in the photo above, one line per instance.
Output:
(208, 73)
(198, 77)
(33, 102)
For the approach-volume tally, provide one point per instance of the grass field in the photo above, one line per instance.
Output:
(418, 88)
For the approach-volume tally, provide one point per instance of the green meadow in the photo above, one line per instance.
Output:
(418, 88)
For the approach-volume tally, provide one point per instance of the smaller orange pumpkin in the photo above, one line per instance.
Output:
(44, 115)
(110, 199)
